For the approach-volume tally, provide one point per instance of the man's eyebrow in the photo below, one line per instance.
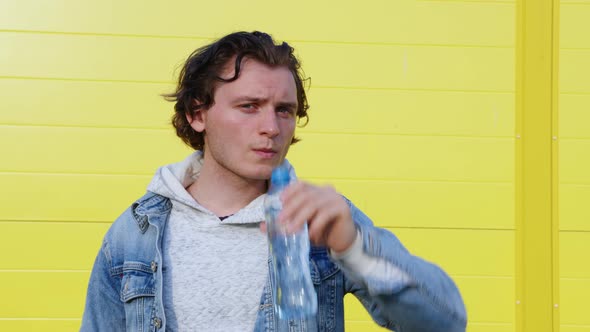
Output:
(288, 104)
(253, 99)
(248, 98)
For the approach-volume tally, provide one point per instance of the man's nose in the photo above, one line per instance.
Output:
(269, 125)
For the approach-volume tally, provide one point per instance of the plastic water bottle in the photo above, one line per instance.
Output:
(294, 294)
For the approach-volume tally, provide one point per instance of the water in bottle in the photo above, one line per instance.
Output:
(294, 294)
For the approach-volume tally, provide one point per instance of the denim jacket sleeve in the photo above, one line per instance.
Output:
(425, 299)
(104, 310)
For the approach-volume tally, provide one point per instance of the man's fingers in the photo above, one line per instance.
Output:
(320, 226)
(297, 199)
(323, 209)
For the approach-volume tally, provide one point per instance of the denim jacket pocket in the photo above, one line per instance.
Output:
(328, 285)
(138, 280)
(320, 266)
(138, 291)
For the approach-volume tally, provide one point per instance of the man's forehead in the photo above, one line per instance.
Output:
(228, 69)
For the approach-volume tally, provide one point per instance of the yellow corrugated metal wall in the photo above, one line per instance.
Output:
(413, 118)
(573, 186)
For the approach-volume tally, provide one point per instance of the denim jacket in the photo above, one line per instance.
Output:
(125, 288)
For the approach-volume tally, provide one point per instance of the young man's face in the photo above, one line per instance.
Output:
(250, 126)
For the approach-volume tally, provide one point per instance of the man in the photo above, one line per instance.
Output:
(189, 255)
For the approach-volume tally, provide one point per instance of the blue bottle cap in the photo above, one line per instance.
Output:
(280, 176)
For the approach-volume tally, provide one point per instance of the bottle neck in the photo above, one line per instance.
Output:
(276, 187)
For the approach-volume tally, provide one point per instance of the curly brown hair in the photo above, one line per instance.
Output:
(200, 76)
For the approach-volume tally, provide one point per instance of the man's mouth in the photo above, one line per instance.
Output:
(265, 153)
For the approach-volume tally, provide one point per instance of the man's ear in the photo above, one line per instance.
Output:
(198, 118)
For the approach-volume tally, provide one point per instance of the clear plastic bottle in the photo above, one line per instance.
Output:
(294, 294)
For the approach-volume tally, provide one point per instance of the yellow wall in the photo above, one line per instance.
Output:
(574, 165)
(413, 117)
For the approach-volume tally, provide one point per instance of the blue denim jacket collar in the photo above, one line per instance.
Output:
(151, 209)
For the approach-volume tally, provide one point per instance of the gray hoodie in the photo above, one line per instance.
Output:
(214, 271)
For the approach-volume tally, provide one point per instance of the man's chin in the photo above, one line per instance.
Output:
(259, 173)
(265, 175)
(263, 171)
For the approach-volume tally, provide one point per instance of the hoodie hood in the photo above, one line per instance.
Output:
(172, 180)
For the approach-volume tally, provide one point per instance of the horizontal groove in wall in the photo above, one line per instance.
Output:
(303, 178)
(574, 231)
(336, 87)
(580, 184)
(39, 318)
(83, 79)
(407, 180)
(44, 271)
(293, 41)
(85, 126)
(88, 126)
(103, 34)
(480, 276)
(575, 279)
(313, 86)
(489, 323)
(575, 48)
(574, 138)
(57, 221)
(147, 176)
(48, 220)
(376, 133)
(88, 271)
(574, 3)
(452, 228)
(473, 1)
(583, 93)
(302, 131)
(511, 2)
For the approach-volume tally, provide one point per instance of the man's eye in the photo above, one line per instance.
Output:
(285, 110)
(247, 106)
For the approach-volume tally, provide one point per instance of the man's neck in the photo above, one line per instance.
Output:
(224, 193)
